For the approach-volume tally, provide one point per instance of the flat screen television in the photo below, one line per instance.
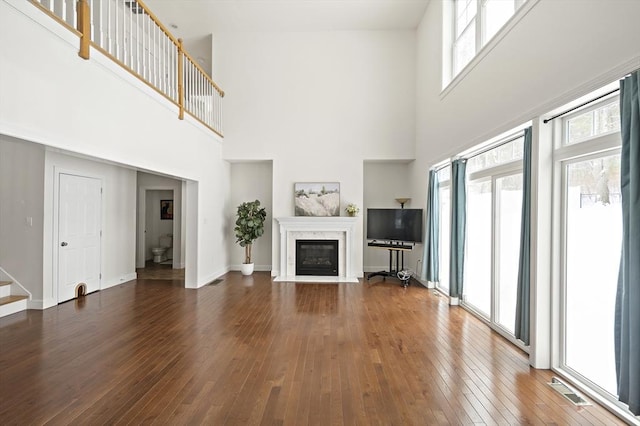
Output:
(395, 224)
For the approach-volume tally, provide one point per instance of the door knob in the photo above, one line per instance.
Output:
(64, 243)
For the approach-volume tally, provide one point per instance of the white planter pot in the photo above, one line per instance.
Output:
(246, 268)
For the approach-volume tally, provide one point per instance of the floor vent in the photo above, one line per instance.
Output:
(215, 282)
(568, 392)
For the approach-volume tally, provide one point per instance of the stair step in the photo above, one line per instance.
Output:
(10, 299)
(3, 283)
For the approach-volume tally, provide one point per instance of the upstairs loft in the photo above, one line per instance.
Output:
(128, 33)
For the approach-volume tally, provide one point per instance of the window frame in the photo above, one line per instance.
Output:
(480, 20)
(450, 77)
(564, 154)
(456, 38)
(492, 174)
(563, 140)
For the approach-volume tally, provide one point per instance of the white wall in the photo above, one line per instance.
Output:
(251, 181)
(117, 260)
(383, 183)
(95, 108)
(21, 198)
(317, 104)
(155, 182)
(554, 53)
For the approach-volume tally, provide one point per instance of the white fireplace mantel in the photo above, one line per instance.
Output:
(341, 229)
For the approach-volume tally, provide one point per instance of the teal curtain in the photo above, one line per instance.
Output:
(458, 223)
(524, 265)
(432, 250)
(627, 320)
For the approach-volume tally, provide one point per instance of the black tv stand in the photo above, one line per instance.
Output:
(394, 267)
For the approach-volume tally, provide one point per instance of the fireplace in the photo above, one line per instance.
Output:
(339, 228)
(317, 257)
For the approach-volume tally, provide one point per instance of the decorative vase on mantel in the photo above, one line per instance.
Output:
(352, 210)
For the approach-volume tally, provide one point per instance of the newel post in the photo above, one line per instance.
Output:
(180, 79)
(84, 26)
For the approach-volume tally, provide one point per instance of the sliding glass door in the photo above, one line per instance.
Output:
(494, 209)
(508, 225)
(593, 240)
(588, 158)
(477, 262)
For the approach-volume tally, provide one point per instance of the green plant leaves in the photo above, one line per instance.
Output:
(249, 222)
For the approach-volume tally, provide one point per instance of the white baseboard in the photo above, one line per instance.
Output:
(424, 283)
(40, 304)
(210, 277)
(37, 305)
(375, 268)
(119, 280)
(260, 268)
(454, 301)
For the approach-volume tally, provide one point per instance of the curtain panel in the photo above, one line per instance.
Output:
(523, 302)
(431, 260)
(627, 314)
(458, 226)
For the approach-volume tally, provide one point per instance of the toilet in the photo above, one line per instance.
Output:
(160, 253)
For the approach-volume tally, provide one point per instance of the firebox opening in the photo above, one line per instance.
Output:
(317, 257)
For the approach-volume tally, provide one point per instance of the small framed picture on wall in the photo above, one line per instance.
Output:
(166, 209)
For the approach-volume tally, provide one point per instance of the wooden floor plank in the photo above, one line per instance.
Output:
(251, 351)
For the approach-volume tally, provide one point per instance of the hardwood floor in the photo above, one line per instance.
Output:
(250, 351)
(158, 271)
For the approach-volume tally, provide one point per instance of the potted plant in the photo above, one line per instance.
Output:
(352, 210)
(249, 226)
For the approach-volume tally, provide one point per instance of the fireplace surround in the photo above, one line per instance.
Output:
(340, 229)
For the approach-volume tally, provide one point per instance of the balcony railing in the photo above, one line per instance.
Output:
(132, 36)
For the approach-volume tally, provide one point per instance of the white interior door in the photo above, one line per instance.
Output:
(79, 219)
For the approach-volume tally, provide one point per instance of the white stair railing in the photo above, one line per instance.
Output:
(132, 36)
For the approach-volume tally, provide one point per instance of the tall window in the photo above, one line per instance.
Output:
(475, 22)
(464, 46)
(588, 157)
(494, 204)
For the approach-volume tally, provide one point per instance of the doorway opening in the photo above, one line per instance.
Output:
(160, 246)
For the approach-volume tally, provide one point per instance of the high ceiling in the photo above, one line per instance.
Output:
(197, 18)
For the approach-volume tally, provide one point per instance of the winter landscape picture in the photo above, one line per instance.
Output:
(317, 199)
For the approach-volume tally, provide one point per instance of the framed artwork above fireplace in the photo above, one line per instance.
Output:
(317, 198)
